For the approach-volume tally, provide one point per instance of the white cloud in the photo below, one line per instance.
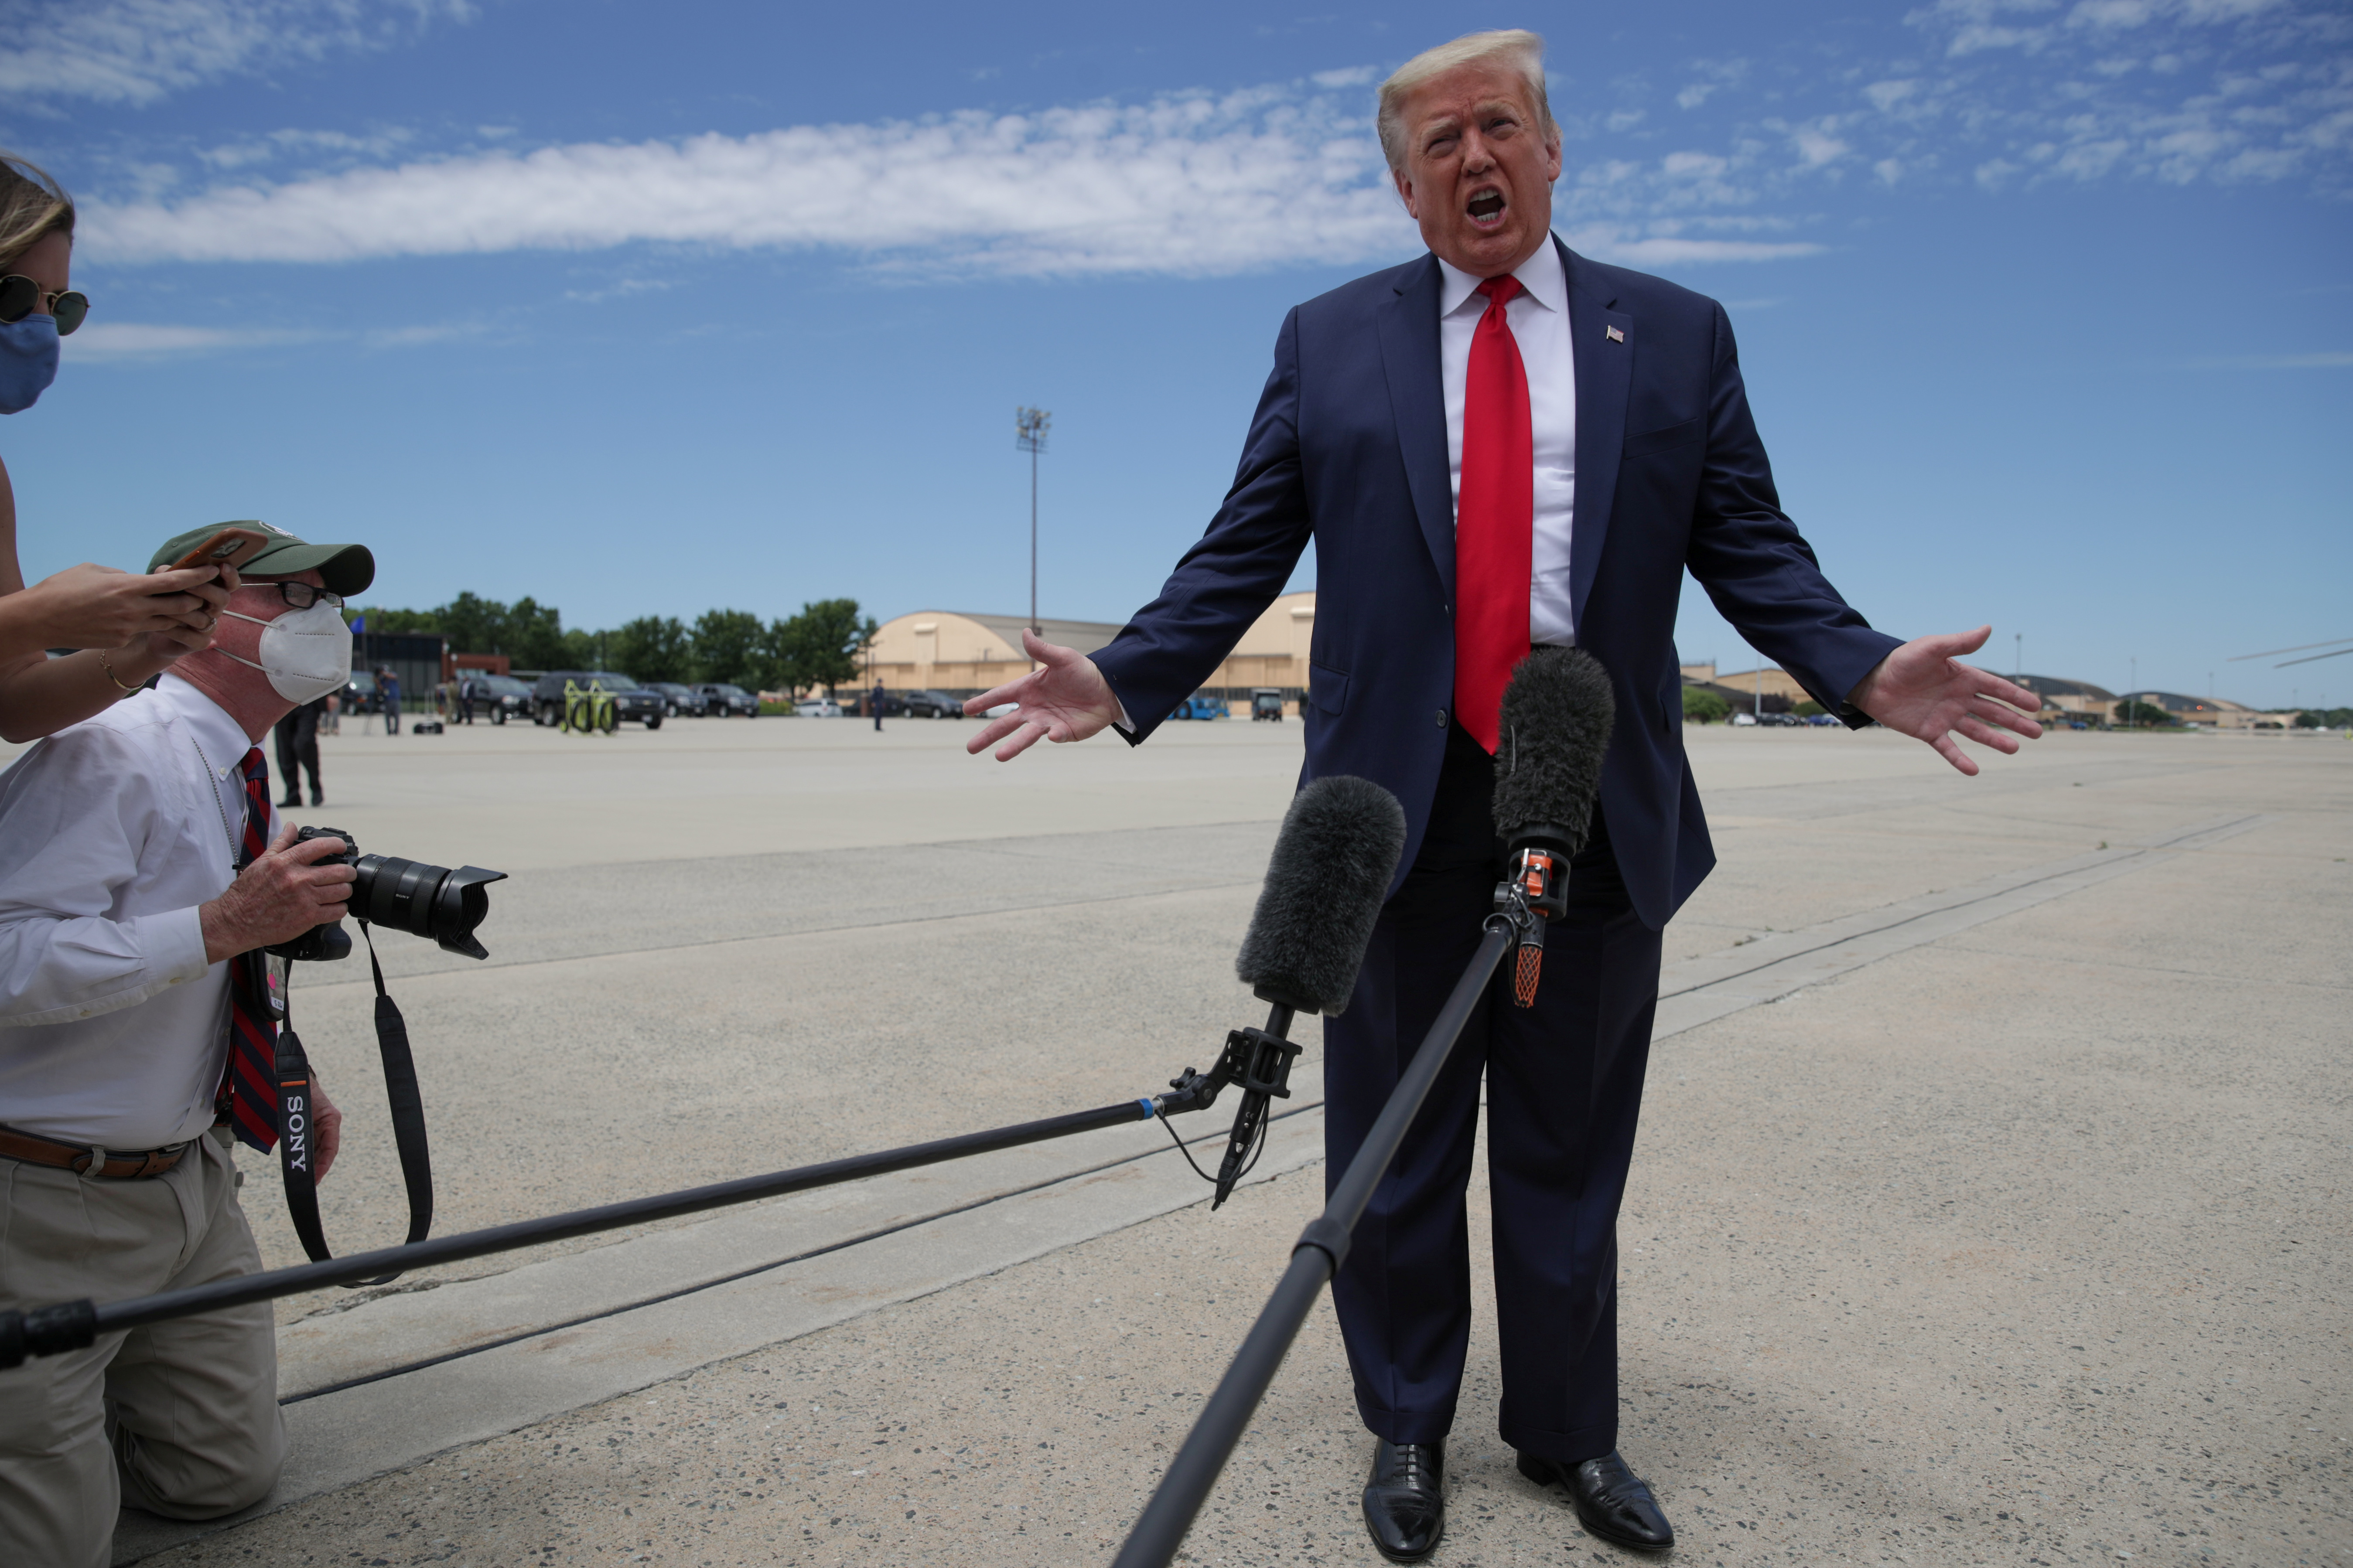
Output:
(2176, 90)
(2330, 360)
(140, 340)
(134, 51)
(1186, 185)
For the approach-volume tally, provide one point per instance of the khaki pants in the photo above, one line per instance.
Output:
(179, 1418)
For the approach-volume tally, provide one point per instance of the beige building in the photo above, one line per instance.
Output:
(1771, 681)
(963, 653)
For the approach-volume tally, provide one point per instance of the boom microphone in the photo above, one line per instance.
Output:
(1324, 885)
(1557, 717)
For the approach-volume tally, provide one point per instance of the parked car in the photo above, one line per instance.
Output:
(818, 708)
(679, 699)
(502, 696)
(934, 705)
(1820, 720)
(1782, 721)
(1266, 702)
(1743, 718)
(1199, 706)
(631, 702)
(721, 701)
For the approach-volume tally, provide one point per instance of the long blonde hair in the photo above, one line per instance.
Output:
(32, 204)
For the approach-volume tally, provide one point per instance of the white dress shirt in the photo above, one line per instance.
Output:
(1538, 317)
(113, 1029)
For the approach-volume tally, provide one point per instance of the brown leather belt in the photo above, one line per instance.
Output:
(121, 1166)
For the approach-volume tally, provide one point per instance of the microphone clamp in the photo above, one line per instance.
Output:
(1258, 1060)
(1533, 891)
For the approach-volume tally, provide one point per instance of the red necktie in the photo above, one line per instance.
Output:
(249, 1095)
(1494, 520)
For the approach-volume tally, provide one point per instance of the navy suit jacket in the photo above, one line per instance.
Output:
(1348, 448)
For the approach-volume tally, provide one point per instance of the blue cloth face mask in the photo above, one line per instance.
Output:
(28, 361)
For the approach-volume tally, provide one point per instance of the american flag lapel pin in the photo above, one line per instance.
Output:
(1614, 336)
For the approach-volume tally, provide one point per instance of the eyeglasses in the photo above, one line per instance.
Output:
(302, 595)
(20, 296)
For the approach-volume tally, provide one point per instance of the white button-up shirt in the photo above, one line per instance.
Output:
(113, 1029)
(1538, 317)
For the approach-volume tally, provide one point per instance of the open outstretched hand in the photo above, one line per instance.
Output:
(1925, 691)
(1066, 698)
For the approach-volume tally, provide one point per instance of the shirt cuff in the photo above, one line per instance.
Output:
(174, 944)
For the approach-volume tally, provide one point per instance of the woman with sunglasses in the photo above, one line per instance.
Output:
(131, 625)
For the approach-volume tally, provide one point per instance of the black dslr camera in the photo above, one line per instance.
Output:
(402, 895)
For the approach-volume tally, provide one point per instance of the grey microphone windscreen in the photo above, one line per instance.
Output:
(1558, 711)
(1324, 885)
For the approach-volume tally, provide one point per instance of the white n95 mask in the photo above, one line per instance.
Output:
(305, 653)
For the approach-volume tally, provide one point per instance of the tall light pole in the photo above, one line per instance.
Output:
(1029, 435)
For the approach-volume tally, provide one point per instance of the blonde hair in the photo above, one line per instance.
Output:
(31, 204)
(1516, 47)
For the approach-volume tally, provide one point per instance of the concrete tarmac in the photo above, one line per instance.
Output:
(2020, 1240)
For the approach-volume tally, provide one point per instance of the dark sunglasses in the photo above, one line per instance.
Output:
(20, 296)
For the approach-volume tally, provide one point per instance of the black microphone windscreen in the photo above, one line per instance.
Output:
(1557, 715)
(1324, 885)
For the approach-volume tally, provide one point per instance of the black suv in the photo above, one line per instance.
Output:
(630, 701)
(934, 705)
(502, 696)
(677, 698)
(720, 700)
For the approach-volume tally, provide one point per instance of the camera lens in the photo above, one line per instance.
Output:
(431, 901)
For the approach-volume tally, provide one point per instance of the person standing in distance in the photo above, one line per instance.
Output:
(875, 698)
(298, 748)
(1500, 445)
(141, 869)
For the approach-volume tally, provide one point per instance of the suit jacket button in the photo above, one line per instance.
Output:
(1441, 718)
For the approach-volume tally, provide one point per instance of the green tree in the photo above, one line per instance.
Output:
(732, 646)
(474, 624)
(532, 637)
(2142, 715)
(822, 645)
(1704, 706)
(653, 647)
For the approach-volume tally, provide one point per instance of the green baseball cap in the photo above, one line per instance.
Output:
(347, 569)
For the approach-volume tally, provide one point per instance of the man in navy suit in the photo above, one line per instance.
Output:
(1498, 445)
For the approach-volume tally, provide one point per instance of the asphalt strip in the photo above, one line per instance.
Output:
(403, 1376)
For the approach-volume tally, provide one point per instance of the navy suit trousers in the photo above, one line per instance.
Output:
(1564, 1082)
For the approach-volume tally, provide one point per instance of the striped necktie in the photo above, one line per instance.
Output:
(249, 1097)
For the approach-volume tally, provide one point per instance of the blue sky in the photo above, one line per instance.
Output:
(2045, 305)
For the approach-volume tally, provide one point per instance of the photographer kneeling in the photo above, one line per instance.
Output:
(142, 868)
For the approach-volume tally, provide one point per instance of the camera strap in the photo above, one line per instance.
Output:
(297, 1140)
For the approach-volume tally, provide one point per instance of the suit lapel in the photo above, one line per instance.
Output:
(1408, 330)
(1605, 370)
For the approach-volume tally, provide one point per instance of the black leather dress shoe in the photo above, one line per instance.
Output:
(1611, 1500)
(1405, 1502)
